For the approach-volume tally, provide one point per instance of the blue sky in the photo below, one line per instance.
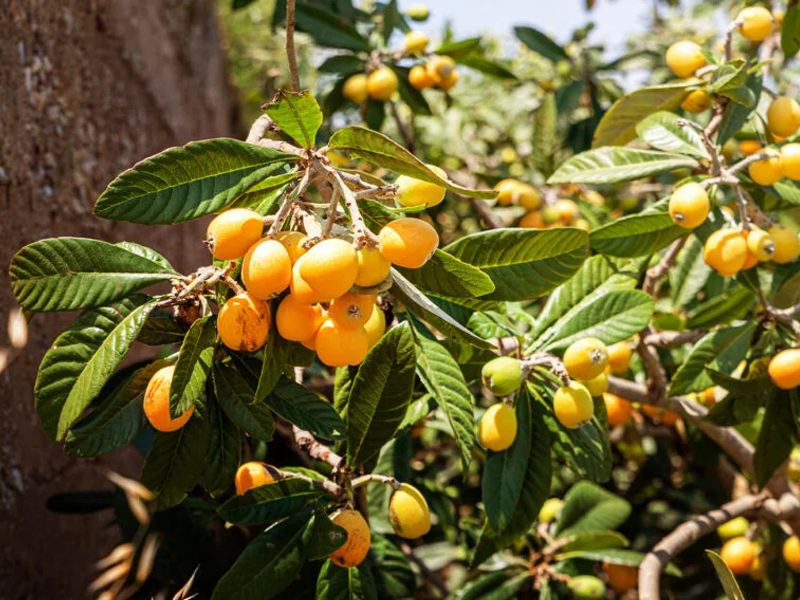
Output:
(614, 19)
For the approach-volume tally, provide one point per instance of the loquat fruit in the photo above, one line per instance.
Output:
(330, 268)
(338, 346)
(755, 23)
(573, 405)
(665, 417)
(532, 220)
(300, 290)
(497, 429)
(748, 147)
(298, 321)
(382, 84)
(420, 77)
(621, 578)
(375, 326)
(738, 553)
(508, 191)
(725, 251)
(766, 171)
(243, 322)
(619, 410)
(697, 101)
(783, 116)
(586, 358)
(550, 510)
(787, 244)
(441, 68)
(502, 375)
(597, 386)
(266, 269)
(232, 232)
(408, 242)
(352, 311)
(294, 242)
(373, 268)
(734, 528)
(587, 587)
(355, 88)
(790, 161)
(446, 83)
(684, 58)
(409, 512)
(619, 357)
(760, 244)
(791, 553)
(784, 369)
(353, 552)
(156, 402)
(251, 474)
(415, 42)
(689, 205)
(415, 192)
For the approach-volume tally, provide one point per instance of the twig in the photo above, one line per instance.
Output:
(749, 160)
(656, 273)
(286, 204)
(294, 76)
(668, 339)
(544, 359)
(317, 450)
(375, 478)
(259, 129)
(716, 167)
(408, 138)
(684, 536)
(333, 209)
(325, 485)
(363, 237)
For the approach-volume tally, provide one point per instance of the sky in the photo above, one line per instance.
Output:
(614, 19)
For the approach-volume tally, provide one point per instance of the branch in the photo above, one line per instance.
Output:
(294, 76)
(326, 485)
(656, 273)
(550, 361)
(317, 450)
(375, 478)
(668, 339)
(259, 129)
(684, 536)
(408, 138)
(749, 160)
(363, 236)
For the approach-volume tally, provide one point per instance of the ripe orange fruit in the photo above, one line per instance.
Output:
(760, 244)
(684, 58)
(791, 553)
(766, 171)
(508, 191)
(415, 42)
(619, 357)
(156, 402)
(297, 321)
(420, 77)
(355, 88)
(619, 410)
(409, 513)
(748, 147)
(250, 475)
(441, 68)
(787, 244)
(300, 289)
(783, 116)
(232, 232)
(355, 549)
(567, 210)
(415, 192)
(790, 161)
(375, 326)
(738, 553)
(266, 269)
(330, 268)
(372, 267)
(597, 386)
(725, 251)
(755, 23)
(497, 429)
(784, 369)
(408, 242)
(586, 358)
(352, 311)
(689, 205)
(338, 346)
(665, 417)
(445, 83)
(294, 242)
(382, 84)
(243, 323)
(573, 405)
(697, 101)
(621, 578)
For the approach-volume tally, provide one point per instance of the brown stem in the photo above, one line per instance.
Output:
(375, 478)
(408, 138)
(294, 76)
(363, 237)
(483, 210)
(656, 273)
(668, 339)
(317, 450)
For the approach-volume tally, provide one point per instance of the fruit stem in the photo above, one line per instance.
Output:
(374, 478)
(545, 359)
(363, 236)
(325, 485)
(287, 202)
(747, 161)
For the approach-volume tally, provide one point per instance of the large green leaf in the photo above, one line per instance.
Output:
(269, 503)
(328, 537)
(777, 437)
(70, 273)
(328, 28)
(441, 376)
(611, 165)
(117, 420)
(384, 152)
(193, 366)
(534, 469)
(307, 410)
(160, 330)
(497, 585)
(744, 398)
(588, 508)
(270, 563)
(353, 583)
(523, 263)
(188, 182)
(272, 365)
(297, 114)
(790, 30)
(612, 316)
(721, 350)
(736, 114)
(615, 556)
(689, 276)
(391, 570)
(585, 450)
(618, 125)
(445, 275)
(224, 450)
(83, 358)
(726, 578)
(635, 235)
(380, 394)
(666, 131)
(545, 138)
(176, 460)
(235, 397)
(597, 276)
(540, 43)
(423, 308)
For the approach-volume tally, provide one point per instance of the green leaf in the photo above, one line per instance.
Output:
(589, 508)
(176, 460)
(441, 376)
(445, 275)
(585, 450)
(726, 578)
(523, 263)
(380, 394)
(193, 366)
(117, 420)
(545, 135)
(635, 235)
(730, 306)
(535, 473)
(265, 196)
(423, 308)
(161, 331)
(777, 437)
(328, 28)
(270, 563)
(235, 397)
(304, 408)
(497, 585)
(224, 450)
(612, 165)
(390, 569)
(790, 30)
(410, 95)
(720, 350)
(664, 131)
(328, 537)
(540, 43)
(689, 276)
(619, 125)
(71, 273)
(147, 253)
(615, 556)
(382, 151)
(269, 503)
(272, 366)
(729, 76)
(612, 316)
(460, 48)
(297, 114)
(736, 115)
(345, 64)
(484, 65)
(188, 182)
(594, 540)
(82, 359)
(353, 583)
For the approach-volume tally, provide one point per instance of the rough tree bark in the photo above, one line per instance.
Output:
(87, 88)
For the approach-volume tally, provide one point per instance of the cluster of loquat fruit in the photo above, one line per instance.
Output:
(408, 513)
(542, 214)
(745, 556)
(382, 83)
